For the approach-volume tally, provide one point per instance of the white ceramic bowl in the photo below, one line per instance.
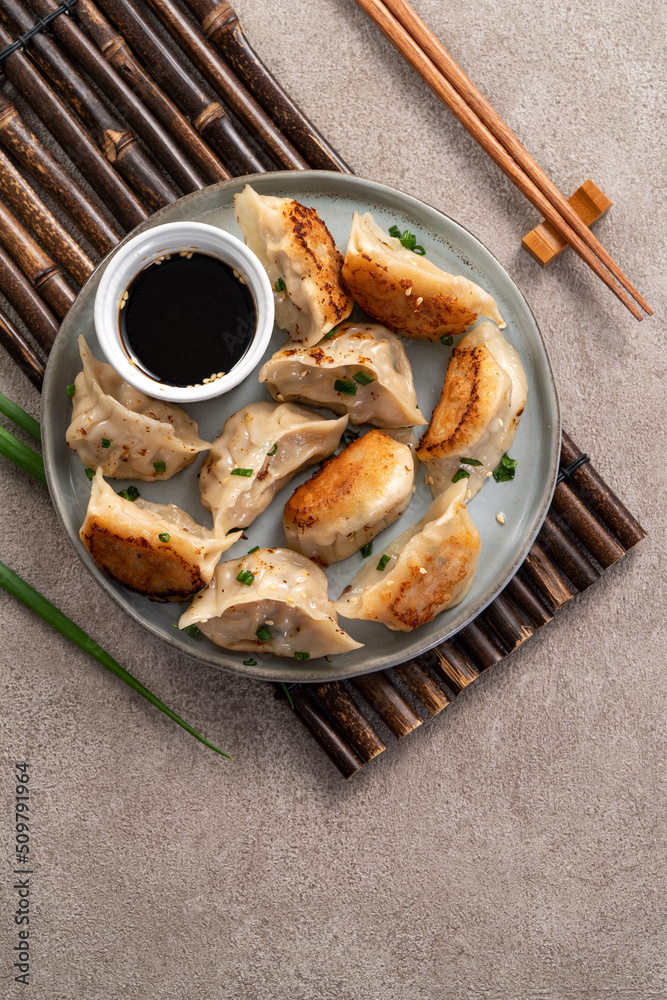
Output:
(137, 254)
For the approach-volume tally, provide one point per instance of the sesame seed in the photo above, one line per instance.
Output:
(408, 291)
(189, 254)
(500, 518)
(487, 474)
(422, 571)
(182, 253)
(304, 373)
(280, 397)
(269, 622)
(419, 301)
(428, 480)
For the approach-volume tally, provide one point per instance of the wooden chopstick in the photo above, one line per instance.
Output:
(402, 40)
(471, 95)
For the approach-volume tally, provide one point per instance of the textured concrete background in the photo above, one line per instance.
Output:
(513, 848)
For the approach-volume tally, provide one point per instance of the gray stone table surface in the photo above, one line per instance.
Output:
(512, 848)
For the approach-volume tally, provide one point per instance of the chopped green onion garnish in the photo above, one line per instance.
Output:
(164, 536)
(250, 662)
(39, 604)
(233, 531)
(106, 442)
(302, 656)
(20, 417)
(505, 471)
(363, 379)
(470, 461)
(263, 633)
(191, 630)
(395, 232)
(287, 694)
(419, 250)
(447, 340)
(160, 467)
(242, 472)
(461, 474)
(250, 551)
(245, 576)
(131, 493)
(330, 334)
(348, 388)
(70, 390)
(23, 456)
(408, 240)
(280, 285)
(90, 473)
(383, 562)
(367, 550)
(273, 450)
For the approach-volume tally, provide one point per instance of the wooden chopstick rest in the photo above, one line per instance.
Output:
(338, 751)
(21, 352)
(388, 702)
(544, 243)
(38, 318)
(345, 713)
(422, 685)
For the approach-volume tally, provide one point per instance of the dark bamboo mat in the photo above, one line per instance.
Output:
(152, 100)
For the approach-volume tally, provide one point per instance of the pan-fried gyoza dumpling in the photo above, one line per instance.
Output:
(260, 449)
(351, 499)
(154, 549)
(123, 432)
(407, 292)
(426, 569)
(362, 370)
(479, 411)
(271, 601)
(300, 257)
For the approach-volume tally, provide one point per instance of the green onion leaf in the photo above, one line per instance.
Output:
(287, 694)
(506, 470)
(395, 232)
(330, 334)
(160, 467)
(469, 461)
(280, 285)
(245, 576)
(302, 656)
(233, 531)
(164, 536)
(23, 456)
(347, 388)
(90, 473)
(70, 390)
(447, 340)
(242, 472)
(191, 630)
(273, 450)
(250, 662)
(131, 494)
(33, 600)
(383, 562)
(106, 442)
(250, 551)
(20, 417)
(419, 250)
(367, 550)
(263, 633)
(461, 474)
(408, 240)
(363, 379)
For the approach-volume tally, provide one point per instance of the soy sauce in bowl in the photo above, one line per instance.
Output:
(187, 319)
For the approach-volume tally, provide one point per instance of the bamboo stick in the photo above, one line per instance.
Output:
(115, 51)
(356, 727)
(600, 498)
(38, 161)
(388, 702)
(420, 682)
(528, 601)
(505, 620)
(338, 751)
(36, 264)
(221, 26)
(205, 113)
(116, 142)
(67, 131)
(21, 352)
(565, 555)
(90, 59)
(454, 668)
(36, 215)
(18, 291)
(479, 646)
(588, 530)
(546, 577)
(234, 94)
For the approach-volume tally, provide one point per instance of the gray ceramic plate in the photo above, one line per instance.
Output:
(524, 502)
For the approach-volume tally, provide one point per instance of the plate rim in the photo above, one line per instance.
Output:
(265, 671)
